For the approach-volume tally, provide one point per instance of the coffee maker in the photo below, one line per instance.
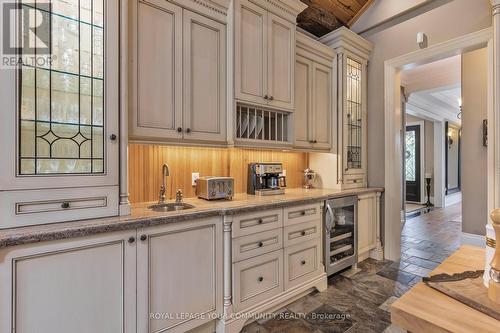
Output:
(265, 179)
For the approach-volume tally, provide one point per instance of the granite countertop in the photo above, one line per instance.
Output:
(142, 217)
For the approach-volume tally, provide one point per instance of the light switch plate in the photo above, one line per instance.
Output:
(194, 178)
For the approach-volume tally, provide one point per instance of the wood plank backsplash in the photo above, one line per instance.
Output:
(145, 161)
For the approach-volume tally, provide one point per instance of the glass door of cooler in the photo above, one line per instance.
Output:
(340, 233)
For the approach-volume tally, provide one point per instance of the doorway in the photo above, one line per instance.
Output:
(394, 121)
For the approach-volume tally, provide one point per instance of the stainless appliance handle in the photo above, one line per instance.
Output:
(330, 219)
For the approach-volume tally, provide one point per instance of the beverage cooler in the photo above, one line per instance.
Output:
(341, 233)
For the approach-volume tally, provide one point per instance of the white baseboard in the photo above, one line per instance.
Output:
(452, 199)
(473, 239)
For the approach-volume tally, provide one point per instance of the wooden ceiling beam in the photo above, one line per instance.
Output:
(359, 13)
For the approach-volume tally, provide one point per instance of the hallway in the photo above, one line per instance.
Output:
(426, 241)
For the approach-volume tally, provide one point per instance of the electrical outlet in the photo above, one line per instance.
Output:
(194, 178)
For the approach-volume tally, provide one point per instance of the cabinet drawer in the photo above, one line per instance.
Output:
(257, 222)
(302, 262)
(256, 244)
(301, 214)
(302, 232)
(22, 208)
(257, 279)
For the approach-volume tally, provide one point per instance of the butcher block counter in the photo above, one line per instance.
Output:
(423, 309)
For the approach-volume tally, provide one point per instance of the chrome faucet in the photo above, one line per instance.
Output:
(163, 188)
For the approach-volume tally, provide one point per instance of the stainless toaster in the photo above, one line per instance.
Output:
(212, 188)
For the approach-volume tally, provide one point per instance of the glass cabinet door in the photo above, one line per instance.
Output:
(66, 122)
(354, 114)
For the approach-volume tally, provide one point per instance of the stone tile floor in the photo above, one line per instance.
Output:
(360, 302)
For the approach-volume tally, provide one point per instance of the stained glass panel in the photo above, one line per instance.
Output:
(62, 110)
(354, 114)
(410, 164)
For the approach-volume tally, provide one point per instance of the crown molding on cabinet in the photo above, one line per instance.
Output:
(307, 45)
(288, 9)
(345, 39)
(216, 9)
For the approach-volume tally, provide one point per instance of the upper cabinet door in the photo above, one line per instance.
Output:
(204, 78)
(280, 62)
(157, 53)
(322, 106)
(303, 91)
(250, 53)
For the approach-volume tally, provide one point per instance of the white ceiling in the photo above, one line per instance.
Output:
(434, 89)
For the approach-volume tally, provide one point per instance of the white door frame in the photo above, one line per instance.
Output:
(393, 124)
(421, 124)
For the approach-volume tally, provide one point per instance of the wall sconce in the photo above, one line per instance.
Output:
(485, 132)
(459, 115)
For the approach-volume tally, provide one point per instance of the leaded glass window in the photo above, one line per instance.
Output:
(354, 114)
(410, 163)
(62, 113)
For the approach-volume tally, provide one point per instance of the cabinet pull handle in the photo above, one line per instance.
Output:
(179, 129)
(314, 141)
(271, 98)
(131, 239)
(65, 205)
(144, 237)
(260, 279)
(261, 244)
(112, 137)
(303, 262)
(188, 130)
(266, 97)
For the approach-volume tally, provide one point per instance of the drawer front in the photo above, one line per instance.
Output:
(256, 244)
(302, 262)
(301, 214)
(298, 233)
(257, 222)
(22, 208)
(257, 279)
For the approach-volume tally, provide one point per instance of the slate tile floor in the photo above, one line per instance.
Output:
(360, 302)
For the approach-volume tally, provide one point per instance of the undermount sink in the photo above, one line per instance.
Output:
(170, 207)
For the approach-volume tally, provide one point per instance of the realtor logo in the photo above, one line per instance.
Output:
(26, 31)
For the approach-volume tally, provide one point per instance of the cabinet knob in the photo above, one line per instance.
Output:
(188, 130)
(303, 213)
(131, 239)
(113, 137)
(179, 129)
(271, 98)
(144, 237)
(65, 205)
(260, 221)
(260, 279)
(261, 244)
(314, 141)
(266, 97)
(303, 233)
(303, 262)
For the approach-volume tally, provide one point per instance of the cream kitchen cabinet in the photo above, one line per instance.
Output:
(79, 285)
(353, 53)
(270, 257)
(264, 55)
(179, 271)
(178, 74)
(369, 244)
(314, 115)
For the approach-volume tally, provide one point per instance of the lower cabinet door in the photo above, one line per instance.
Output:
(257, 279)
(79, 286)
(302, 262)
(179, 275)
